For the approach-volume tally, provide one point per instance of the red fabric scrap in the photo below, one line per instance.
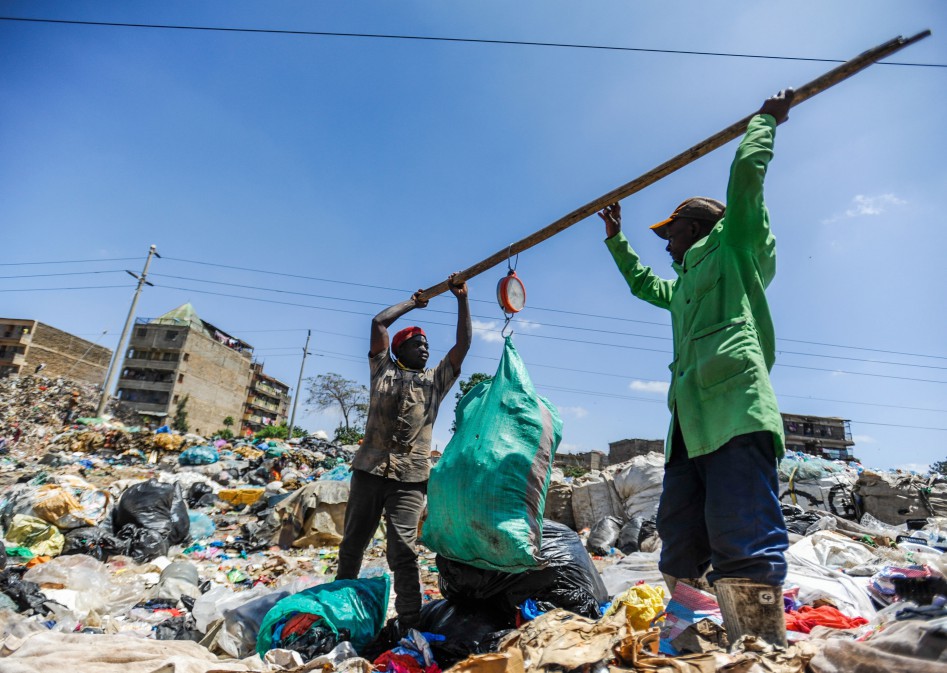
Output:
(807, 618)
(389, 662)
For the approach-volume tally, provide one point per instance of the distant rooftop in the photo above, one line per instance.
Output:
(185, 316)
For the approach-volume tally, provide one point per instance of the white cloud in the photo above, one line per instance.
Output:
(565, 447)
(577, 412)
(526, 325)
(489, 331)
(865, 206)
(920, 468)
(863, 439)
(649, 386)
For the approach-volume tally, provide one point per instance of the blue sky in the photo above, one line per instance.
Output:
(380, 166)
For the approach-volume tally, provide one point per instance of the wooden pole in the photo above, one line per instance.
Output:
(733, 131)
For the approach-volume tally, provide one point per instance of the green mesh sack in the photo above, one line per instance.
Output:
(487, 492)
(357, 605)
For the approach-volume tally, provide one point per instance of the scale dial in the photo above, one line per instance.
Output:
(511, 293)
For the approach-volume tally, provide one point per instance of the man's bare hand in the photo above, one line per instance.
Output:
(612, 217)
(778, 106)
(460, 289)
(418, 302)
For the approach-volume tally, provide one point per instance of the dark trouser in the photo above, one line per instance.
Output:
(723, 508)
(402, 504)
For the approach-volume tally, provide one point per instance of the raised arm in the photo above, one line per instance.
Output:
(746, 223)
(464, 326)
(382, 321)
(642, 282)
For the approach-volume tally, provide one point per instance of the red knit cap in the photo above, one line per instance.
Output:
(404, 335)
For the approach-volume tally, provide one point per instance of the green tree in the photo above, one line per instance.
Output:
(466, 385)
(179, 421)
(228, 422)
(345, 435)
(332, 390)
(279, 432)
(224, 433)
(940, 467)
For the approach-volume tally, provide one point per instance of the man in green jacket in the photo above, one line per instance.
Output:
(720, 504)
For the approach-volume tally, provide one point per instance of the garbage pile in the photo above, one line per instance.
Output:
(147, 549)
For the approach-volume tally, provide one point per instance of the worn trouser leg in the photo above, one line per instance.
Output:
(723, 508)
(744, 519)
(362, 515)
(403, 506)
(685, 548)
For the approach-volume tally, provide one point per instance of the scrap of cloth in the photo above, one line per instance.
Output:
(807, 618)
(87, 653)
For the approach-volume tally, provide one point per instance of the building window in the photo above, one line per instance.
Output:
(170, 335)
(141, 332)
(187, 356)
(180, 378)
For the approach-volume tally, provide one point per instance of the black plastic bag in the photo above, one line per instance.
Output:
(156, 506)
(604, 535)
(95, 542)
(196, 493)
(567, 580)
(798, 520)
(629, 539)
(144, 544)
(26, 595)
(466, 629)
(177, 628)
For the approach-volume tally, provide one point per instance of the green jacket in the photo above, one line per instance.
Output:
(724, 344)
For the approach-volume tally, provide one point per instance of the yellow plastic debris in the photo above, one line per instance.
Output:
(241, 496)
(642, 604)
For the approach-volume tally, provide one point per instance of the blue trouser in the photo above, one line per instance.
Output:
(723, 509)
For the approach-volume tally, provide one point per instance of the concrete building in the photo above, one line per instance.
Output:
(26, 345)
(590, 460)
(179, 356)
(823, 436)
(267, 401)
(626, 449)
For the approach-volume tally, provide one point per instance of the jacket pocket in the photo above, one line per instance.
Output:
(721, 352)
(704, 273)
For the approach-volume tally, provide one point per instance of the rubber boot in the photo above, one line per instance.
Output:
(751, 609)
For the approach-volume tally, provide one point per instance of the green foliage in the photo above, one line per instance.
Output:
(331, 390)
(271, 432)
(278, 432)
(179, 421)
(345, 435)
(466, 385)
(574, 471)
(940, 467)
(228, 422)
(224, 433)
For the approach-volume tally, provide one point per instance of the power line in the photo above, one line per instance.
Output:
(47, 289)
(378, 303)
(466, 40)
(539, 308)
(545, 324)
(70, 261)
(535, 336)
(554, 338)
(64, 273)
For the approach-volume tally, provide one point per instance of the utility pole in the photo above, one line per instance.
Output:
(292, 417)
(119, 350)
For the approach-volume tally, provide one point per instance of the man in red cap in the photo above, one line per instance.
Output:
(720, 505)
(391, 468)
